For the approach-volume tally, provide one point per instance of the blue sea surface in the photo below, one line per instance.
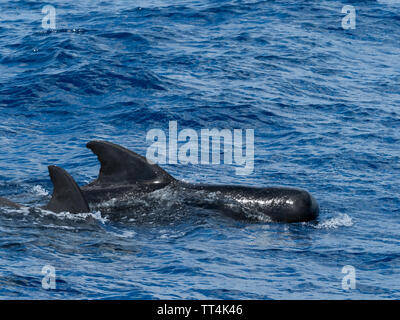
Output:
(323, 102)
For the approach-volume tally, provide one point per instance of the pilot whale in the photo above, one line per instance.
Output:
(66, 197)
(125, 176)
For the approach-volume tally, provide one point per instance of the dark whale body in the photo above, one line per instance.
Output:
(125, 172)
(125, 175)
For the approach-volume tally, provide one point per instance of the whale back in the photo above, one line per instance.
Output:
(5, 203)
(279, 204)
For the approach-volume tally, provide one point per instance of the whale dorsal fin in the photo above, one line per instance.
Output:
(122, 166)
(67, 196)
(9, 204)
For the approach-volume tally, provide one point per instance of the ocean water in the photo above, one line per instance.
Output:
(323, 102)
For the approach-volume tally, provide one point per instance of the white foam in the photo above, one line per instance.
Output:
(39, 190)
(76, 216)
(126, 234)
(343, 220)
(109, 203)
(22, 210)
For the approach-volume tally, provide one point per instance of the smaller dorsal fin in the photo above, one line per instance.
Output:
(67, 196)
(122, 166)
(9, 204)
